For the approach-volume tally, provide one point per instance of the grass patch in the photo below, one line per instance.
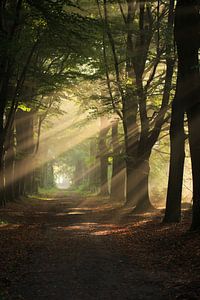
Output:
(47, 191)
(2, 222)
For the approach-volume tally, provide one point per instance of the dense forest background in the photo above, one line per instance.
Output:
(99, 149)
(86, 91)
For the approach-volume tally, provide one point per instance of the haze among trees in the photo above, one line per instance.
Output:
(99, 117)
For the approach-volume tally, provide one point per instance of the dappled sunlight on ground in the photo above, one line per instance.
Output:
(97, 208)
(9, 226)
(111, 231)
(71, 213)
(41, 198)
(81, 243)
(100, 228)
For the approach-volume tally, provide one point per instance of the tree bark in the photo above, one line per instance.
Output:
(9, 159)
(23, 146)
(142, 198)
(6, 68)
(118, 167)
(177, 157)
(194, 141)
(186, 32)
(103, 157)
(94, 166)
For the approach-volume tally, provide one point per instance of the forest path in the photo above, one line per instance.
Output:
(78, 248)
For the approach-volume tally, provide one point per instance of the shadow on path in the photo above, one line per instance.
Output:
(72, 248)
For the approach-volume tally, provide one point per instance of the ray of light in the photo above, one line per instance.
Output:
(28, 164)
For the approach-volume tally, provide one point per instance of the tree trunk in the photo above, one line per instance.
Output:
(2, 186)
(104, 176)
(94, 170)
(6, 72)
(118, 167)
(177, 157)
(2, 190)
(194, 141)
(9, 167)
(43, 176)
(103, 156)
(143, 200)
(131, 136)
(186, 33)
(21, 144)
(29, 151)
(138, 186)
(35, 181)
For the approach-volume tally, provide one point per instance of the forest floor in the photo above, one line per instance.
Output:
(73, 247)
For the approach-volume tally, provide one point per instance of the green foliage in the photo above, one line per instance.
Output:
(24, 107)
(47, 190)
(48, 49)
(3, 222)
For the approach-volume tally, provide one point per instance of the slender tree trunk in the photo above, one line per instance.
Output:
(9, 167)
(2, 187)
(47, 178)
(21, 140)
(45, 170)
(118, 167)
(2, 190)
(177, 157)
(94, 170)
(35, 181)
(29, 151)
(43, 181)
(104, 176)
(130, 109)
(103, 156)
(131, 135)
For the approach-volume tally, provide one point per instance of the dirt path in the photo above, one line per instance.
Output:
(73, 248)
